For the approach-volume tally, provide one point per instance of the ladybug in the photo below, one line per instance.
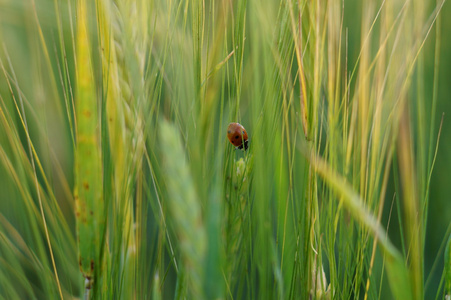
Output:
(237, 136)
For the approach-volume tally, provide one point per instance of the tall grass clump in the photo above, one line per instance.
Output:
(118, 180)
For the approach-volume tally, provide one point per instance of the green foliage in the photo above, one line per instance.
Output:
(89, 202)
(121, 108)
(448, 268)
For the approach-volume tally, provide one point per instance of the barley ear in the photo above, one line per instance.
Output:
(184, 208)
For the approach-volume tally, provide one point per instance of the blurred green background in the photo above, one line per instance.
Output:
(440, 198)
(439, 219)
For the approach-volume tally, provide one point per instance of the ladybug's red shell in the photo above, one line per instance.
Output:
(237, 134)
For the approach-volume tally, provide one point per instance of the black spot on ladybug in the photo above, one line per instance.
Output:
(245, 145)
(237, 136)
